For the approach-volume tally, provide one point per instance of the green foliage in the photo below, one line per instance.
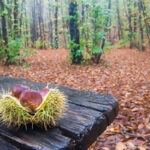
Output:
(26, 64)
(40, 44)
(78, 50)
(5, 12)
(11, 53)
(14, 47)
(108, 46)
(123, 42)
(27, 52)
(15, 52)
(93, 29)
(84, 62)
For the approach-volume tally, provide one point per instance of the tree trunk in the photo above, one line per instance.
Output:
(141, 26)
(40, 18)
(119, 20)
(26, 31)
(44, 36)
(145, 21)
(4, 33)
(130, 23)
(63, 26)
(50, 24)
(34, 28)
(56, 25)
(135, 25)
(83, 11)
(103, 41)
(10, 22)
(16, 19)
(74, 34)
(135, 17)
(4, 28)
(21, 16)
(0, 35)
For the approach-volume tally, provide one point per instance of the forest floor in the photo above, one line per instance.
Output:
(124, 73)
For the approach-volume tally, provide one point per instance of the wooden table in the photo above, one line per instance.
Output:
(87, 117)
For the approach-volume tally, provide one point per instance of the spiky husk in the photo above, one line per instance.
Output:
(12, 113)
(51, 109)
(47, 113)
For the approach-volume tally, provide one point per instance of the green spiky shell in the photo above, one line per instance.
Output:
(46, 114)
(12, 113)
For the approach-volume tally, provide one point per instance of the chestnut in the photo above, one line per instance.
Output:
(31, 99)
(18, 89)
(44, 92)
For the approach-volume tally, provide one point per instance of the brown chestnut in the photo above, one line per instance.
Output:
(44, 92)
(31, 99)
(18, 89)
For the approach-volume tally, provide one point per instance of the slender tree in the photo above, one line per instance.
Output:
(16, 12)
(119, 20)
(34, 28)
(10, 19)
(56, 24)
(50, 23)
(130, 23)
(135, 25)
(135, 16)
(63, 26)
(21, 17)
(140, 23)
(104, 39)
(0, 33)
(41, 23)
(83, 11)
(143, 7)
(26, 28)
(74, 33)
(4, 32)
(4, 27)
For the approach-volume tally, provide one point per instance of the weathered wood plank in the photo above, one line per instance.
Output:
(85, 111)
(36, 139)
(4, 145)
(83, 127)
(105, 99)
(107, 110)
(94, 101)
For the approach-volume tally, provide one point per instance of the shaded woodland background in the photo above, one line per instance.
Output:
(44, 40)
(87, 27)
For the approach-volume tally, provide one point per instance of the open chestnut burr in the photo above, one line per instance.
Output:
(41, 108)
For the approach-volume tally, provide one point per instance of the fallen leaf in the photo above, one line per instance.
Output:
(141, 148)
(121, 146)
(130, 145)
